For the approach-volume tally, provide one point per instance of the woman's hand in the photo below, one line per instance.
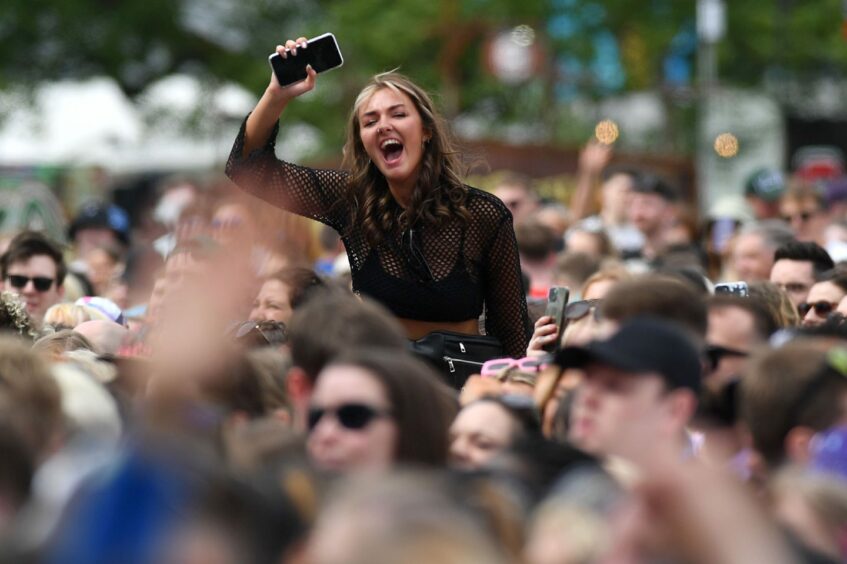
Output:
(290, 49)
(544, 333)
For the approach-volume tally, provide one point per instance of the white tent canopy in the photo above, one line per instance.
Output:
(92, 122)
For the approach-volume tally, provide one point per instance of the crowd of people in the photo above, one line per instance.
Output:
(221, 381)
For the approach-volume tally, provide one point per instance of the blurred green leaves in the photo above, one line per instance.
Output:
(440, 43)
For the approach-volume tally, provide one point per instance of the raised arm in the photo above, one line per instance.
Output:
(265, 116)
(592, 160)
(254, 167)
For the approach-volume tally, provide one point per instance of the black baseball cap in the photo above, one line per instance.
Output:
(97, 214)
(643, 344)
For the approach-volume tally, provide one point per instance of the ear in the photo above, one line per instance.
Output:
(796, 445)
(681, 407)
(298, 385)
(60, 290)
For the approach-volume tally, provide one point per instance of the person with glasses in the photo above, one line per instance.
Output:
(433, 250)
(796, 267)
(736, 327)
(33, 268)
(803, 208)
(582, 316)
(371, 410)
(823, 299)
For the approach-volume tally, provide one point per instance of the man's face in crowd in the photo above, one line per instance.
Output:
(805, 218)
(616, 412)
(518, 199)
(752, 258)
(42, 268)
(822, 300)
(648, 212)
(795, 277)
(732, 333)
(616, 193)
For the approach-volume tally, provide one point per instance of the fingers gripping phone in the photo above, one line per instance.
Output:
(322, 53)
(557, 299)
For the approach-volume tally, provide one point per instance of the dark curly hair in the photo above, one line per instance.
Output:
(439, 194)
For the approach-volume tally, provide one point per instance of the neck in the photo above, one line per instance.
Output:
(402, 192)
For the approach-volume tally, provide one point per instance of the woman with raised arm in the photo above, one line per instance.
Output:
(433, 250)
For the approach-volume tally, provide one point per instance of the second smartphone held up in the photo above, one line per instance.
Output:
(557, 300)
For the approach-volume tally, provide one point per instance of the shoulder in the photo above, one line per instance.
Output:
(486, 206)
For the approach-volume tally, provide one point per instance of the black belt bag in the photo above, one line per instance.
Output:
(455, 355)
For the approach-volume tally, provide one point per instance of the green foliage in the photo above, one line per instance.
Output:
(440, 43)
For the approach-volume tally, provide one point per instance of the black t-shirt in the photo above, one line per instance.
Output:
(443, 274)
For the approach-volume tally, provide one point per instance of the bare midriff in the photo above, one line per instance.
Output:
(416, 329)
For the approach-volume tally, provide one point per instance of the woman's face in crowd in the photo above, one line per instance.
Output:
(231, 223)
(333, 444)
(479, 432)
(272, 303)
(393, 135)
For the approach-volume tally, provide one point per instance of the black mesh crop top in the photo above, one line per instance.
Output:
(429, 274)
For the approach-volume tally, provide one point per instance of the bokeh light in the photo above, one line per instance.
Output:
(606, 132)
(523, 35)
(726, 145)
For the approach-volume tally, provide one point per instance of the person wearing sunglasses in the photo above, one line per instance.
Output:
(797, 266)
(802, 207)
(823, 299)
(736, 326)
(373, 409)
(33, 268)
(282, 292)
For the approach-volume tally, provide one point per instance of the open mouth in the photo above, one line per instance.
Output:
(391, 150)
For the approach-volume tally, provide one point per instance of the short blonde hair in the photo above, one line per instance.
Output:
(69, 315)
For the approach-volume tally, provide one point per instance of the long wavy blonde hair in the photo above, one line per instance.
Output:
(439, 194)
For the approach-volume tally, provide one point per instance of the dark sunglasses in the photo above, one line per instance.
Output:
(578, 310)
(41, 283)
(822, 309)
(352, 416)
(261, 333)
(715, 353)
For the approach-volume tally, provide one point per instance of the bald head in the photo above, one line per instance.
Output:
(106, 336)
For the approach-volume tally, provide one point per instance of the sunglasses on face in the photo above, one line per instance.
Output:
(578, 310)
(715, 353)
(351, 416)
(41, 283)
(822, 309)
(527, 364)
(261, 333)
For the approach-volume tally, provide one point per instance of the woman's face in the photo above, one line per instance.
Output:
(480, 431)
(393, 135)
(272, 303)
(333, 444)
(231, 223)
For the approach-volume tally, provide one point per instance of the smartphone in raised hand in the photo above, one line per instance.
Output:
(557, 299)
(321, 52)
